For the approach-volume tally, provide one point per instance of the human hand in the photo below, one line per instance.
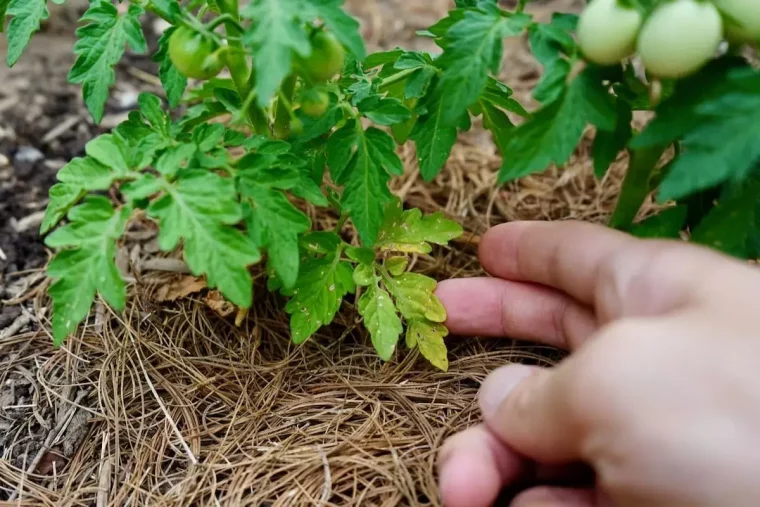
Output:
(660, 396)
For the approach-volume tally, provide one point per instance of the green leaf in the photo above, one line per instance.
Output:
(200, 208)
(87, 174)
(384, 110)
(366, 182)
(733, 225)
(318, 294)
(428, 337)
(410, 231)
(415, 297)
(173, 81)
(361, 254)
(3, 9)
(274, 223)
(100, 45)
(666, 224)
(168, 9)
(364, 275)
(276, 34)
(608, 144)
(554, 131)
(474, 46)
(718, 128)
(345, 28)
(86, 265)
(381, 319)
(62, 197)
(433, 137)
(396, 265)
(27, 15)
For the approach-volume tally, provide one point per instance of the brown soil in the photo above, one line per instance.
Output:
(171, 404)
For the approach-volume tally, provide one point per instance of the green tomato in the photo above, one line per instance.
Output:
(195, 55)
(679, 38)
(607, 31)
(314, 103)
(743, 23)
(326, 59)
(296, 127)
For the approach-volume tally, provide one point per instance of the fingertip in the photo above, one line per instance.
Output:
(473, 468)
(546, 496)
(498, 385)
(498, 247)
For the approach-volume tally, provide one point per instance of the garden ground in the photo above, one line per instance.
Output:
(171, 402)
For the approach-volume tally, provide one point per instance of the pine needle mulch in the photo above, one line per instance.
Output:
(172, 404)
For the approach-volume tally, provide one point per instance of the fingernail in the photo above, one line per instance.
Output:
(498, 385)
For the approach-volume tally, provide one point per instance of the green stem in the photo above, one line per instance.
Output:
(284, 112)
(341, 222)
(395, 78)
(636, 186)
(242, 76)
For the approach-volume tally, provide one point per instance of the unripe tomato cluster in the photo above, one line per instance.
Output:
(676, 39)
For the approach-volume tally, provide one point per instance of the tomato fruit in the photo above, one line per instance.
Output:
(680, 37)
(195, 55)
(314, 103)
(607, 31)
(326, 59)
(744, 22)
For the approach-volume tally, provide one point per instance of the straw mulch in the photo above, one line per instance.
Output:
(171, 404)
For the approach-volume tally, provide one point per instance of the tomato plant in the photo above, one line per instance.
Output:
(312, 117)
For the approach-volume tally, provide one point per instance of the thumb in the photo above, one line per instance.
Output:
(531, 410)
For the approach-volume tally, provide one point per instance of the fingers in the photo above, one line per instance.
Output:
(556, 497)
(495, 307)
(610, 271)
(530, 410)
(473, 468)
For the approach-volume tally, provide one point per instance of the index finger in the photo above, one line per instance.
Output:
(614, 273)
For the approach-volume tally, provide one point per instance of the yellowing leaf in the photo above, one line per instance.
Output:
(414, 294)
(428, 337)
(410, 231)
(381, 319)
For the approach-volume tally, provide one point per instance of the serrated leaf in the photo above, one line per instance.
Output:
(552, 134)
(474, 46)
(366, 184)
(410, 231)
(276, 34)
(274, 223)
(433, 137)
(62, 197)
(86, 265)
(168, 9)
(345, 27)
(340, 149)
(384, 111)
(717, 127)
(382, 58)
(415, 297)
(26, 18)
(318, 294)
(199, 208)
(173, 81)
(88, 174)
(733, 225)
(428, 337)
(100, 45)
(381, 319)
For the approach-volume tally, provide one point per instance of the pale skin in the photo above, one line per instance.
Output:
(660, 395)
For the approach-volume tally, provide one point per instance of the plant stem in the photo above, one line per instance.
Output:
(395, 78)
(241, 74)
(636, 186)
(284, 107)
(341, 222)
